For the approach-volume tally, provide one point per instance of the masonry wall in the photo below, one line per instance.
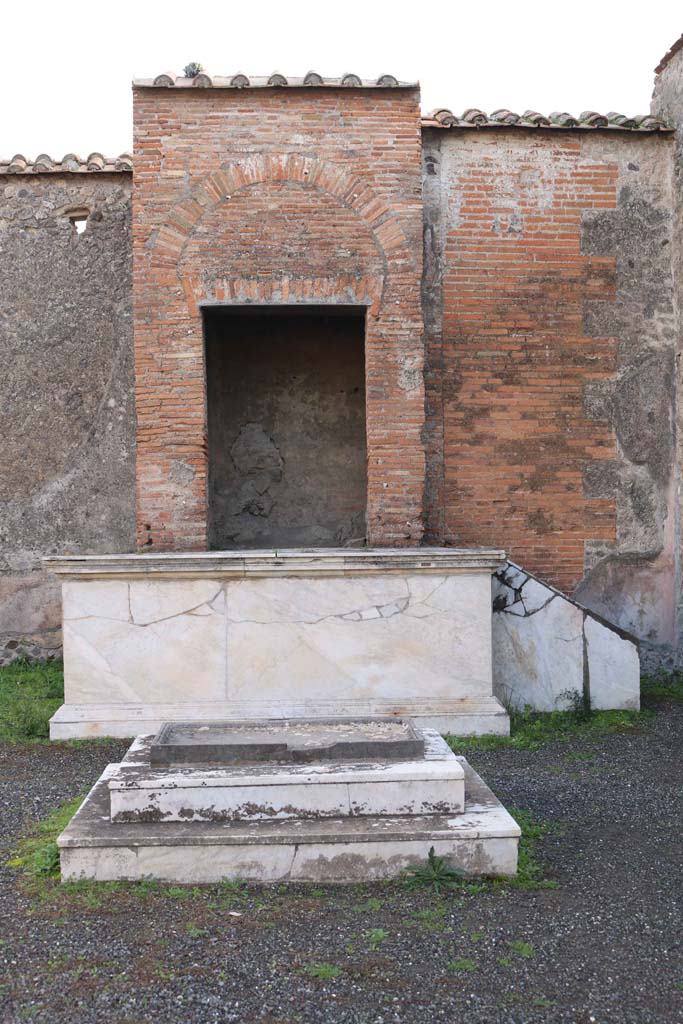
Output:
(549, 307)
(551, 297)
(667, 102)
(66, 398)
(275, 197)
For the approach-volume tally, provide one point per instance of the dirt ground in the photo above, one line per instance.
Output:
(604, 945)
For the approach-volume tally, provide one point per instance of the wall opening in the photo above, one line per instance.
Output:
(286, 426)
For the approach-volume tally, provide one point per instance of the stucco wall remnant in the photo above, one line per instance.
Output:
(66, 402)
(667, 102)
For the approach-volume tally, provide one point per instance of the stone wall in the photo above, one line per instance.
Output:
(551, 338)
(667, 102)
(66, 401)
(551, 300)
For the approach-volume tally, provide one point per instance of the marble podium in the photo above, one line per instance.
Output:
(355, 811)
(322, 633)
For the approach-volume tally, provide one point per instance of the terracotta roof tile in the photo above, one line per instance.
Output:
(69, 164)
(168, 79)
(502, 118)
(671, 52)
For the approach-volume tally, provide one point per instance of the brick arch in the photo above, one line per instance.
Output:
(351, 191)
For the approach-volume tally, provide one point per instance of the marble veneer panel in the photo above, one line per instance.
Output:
(355, 638)
(275, 629)
(143, 641)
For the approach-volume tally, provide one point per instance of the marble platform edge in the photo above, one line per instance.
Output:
(435, 748)
(136, 772)
(288, 562)
(484, 817)
(464, 717)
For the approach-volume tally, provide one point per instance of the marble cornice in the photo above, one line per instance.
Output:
(290, 562)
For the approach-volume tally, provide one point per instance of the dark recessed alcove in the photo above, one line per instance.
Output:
(286, 426)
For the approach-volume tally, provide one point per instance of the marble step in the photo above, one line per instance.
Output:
(463, 717)
(433, 784)
(483, 839)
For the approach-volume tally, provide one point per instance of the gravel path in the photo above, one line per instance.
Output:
(606, 945)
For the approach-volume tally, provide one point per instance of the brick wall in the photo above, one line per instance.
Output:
(509, 355)
(266, 196)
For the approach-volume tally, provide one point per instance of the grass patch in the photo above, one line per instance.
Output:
(30, 693)
(37, 855)
(531, 730)
(375, 937)
(323, 972)
(462, 965)
(662, 686)
(523, 949)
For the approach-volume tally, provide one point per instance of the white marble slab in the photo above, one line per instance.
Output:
(259, 634)
(483, 839)
(550, 652)
(433, 784)
(613, 668)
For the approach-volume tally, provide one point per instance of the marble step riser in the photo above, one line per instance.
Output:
(297, 801)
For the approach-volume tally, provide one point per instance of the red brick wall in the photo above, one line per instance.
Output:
(514, 359)
(294, 195)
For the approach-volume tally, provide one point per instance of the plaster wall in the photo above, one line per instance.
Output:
(66, 404)
(667, 102)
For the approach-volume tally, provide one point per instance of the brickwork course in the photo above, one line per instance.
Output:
(520, 277)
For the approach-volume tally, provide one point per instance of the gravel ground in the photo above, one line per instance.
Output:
(606, 945)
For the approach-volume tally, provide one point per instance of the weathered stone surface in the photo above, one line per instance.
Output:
(257, 635)
(482, 840)
(66, 402)
(551, 654)
(286, 742)
(430, 784)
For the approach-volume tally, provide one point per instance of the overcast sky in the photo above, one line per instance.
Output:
(67, 67)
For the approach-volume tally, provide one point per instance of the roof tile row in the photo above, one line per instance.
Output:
(169, 79)
(71, 164)
(474, 118)
(441, 118)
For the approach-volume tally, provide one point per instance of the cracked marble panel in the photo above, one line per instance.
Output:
(144, 642)
(541, 640)
(355, 638)
(538, 657)
(613, 668)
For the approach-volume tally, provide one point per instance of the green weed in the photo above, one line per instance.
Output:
(324, 972)
(462, 965)
(434, 873)
(371, 904)
(30, 693)
(523, 949)
(375, 937)
(194, 931)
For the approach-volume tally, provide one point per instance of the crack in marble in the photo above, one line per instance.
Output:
(387, 610)
(153, 622)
